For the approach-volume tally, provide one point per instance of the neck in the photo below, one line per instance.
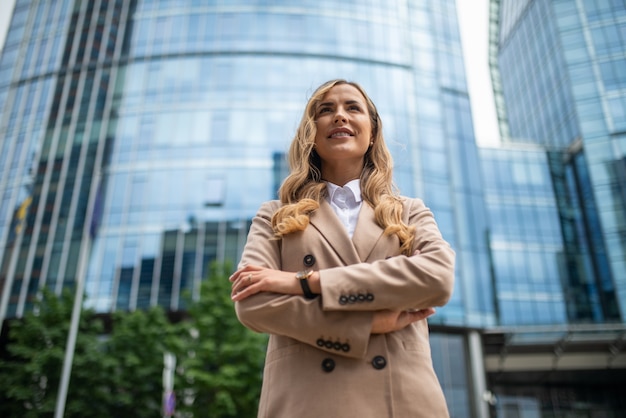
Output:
(342, 172)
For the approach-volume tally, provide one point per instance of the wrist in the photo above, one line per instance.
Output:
(303, 277)
(314, 283)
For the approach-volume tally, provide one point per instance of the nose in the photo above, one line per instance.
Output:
(339, 116)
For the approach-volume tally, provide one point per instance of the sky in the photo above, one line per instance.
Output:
(6, 10)
(474, 26)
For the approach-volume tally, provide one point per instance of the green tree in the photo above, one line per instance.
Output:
(222, 370)
(114, 375)
(120, 374)
(30, 373)
(133, 360)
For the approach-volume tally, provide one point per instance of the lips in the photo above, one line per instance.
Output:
(340, 133)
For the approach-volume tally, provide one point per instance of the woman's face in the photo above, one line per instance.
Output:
(344, 128)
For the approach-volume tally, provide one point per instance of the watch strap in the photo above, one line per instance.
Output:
(303, 277)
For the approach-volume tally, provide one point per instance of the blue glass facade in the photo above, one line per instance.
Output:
(556, 347)
(562, 76)
(139, 137)
(525, 236)
(549, 261)
(151, 130)
(554, 193)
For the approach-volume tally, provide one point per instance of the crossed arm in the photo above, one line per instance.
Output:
(270, 300)
(251, 280)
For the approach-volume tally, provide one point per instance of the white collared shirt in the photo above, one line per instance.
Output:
(346, 201)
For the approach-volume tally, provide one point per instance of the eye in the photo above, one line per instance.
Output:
(355, 107)
(322, 110)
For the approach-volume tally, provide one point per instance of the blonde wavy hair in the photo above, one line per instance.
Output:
(303, 189)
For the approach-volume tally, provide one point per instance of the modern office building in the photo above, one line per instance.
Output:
(555, 192)
(139, 137)
(562, 71)
(558, 346)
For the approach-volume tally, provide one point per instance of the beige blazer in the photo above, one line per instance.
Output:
(321, 359)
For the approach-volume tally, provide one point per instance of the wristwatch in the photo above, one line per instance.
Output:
(303, 276)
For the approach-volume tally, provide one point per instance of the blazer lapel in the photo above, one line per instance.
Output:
(330, 227)
(367, 233)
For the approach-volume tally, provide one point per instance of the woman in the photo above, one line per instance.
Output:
(342, 273)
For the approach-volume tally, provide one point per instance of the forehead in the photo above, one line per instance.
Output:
(342, 93)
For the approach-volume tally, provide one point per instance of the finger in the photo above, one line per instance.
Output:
(422, 314)
(417, 252)
(239, 294)
(244, 270)
(236, 281)
(244, 293)
(240, 273)
(233, 277)
(244, 280)
(239, 286)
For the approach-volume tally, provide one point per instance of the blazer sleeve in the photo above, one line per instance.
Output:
(294, 316)
(399, 283)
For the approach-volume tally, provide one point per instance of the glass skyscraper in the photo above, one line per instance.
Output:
(139, 137)
(555, 197)
(562, 68)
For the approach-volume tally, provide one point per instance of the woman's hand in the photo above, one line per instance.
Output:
(250, 280)
(388, 321)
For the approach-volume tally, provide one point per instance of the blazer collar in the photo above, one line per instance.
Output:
(366, 235)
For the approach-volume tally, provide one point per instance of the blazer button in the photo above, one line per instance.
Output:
(345, 347)
(328, 365)
(320, 342)
(361, 297)
(352, 298)
(343, 300)
(369, 297)
(337, 346)
(309, 260)
(379, 362)
(328, 344)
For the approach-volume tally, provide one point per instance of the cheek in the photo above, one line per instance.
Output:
(366, 126)
(367, 133)
(317, 130)
(317, 139)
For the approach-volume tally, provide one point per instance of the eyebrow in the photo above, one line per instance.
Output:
(348, 102)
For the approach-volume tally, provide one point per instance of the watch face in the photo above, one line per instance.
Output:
(301, 275)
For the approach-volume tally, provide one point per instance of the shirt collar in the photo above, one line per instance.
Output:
(353, 185)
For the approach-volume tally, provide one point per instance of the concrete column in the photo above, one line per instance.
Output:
(478, 380)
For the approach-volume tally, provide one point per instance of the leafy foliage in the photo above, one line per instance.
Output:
(120, 374)
(222, 369)
(133, 360)
(31, 375)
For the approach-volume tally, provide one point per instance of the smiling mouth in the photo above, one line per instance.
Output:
(341, 134)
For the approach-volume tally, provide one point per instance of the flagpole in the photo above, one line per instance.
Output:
(73, 332)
